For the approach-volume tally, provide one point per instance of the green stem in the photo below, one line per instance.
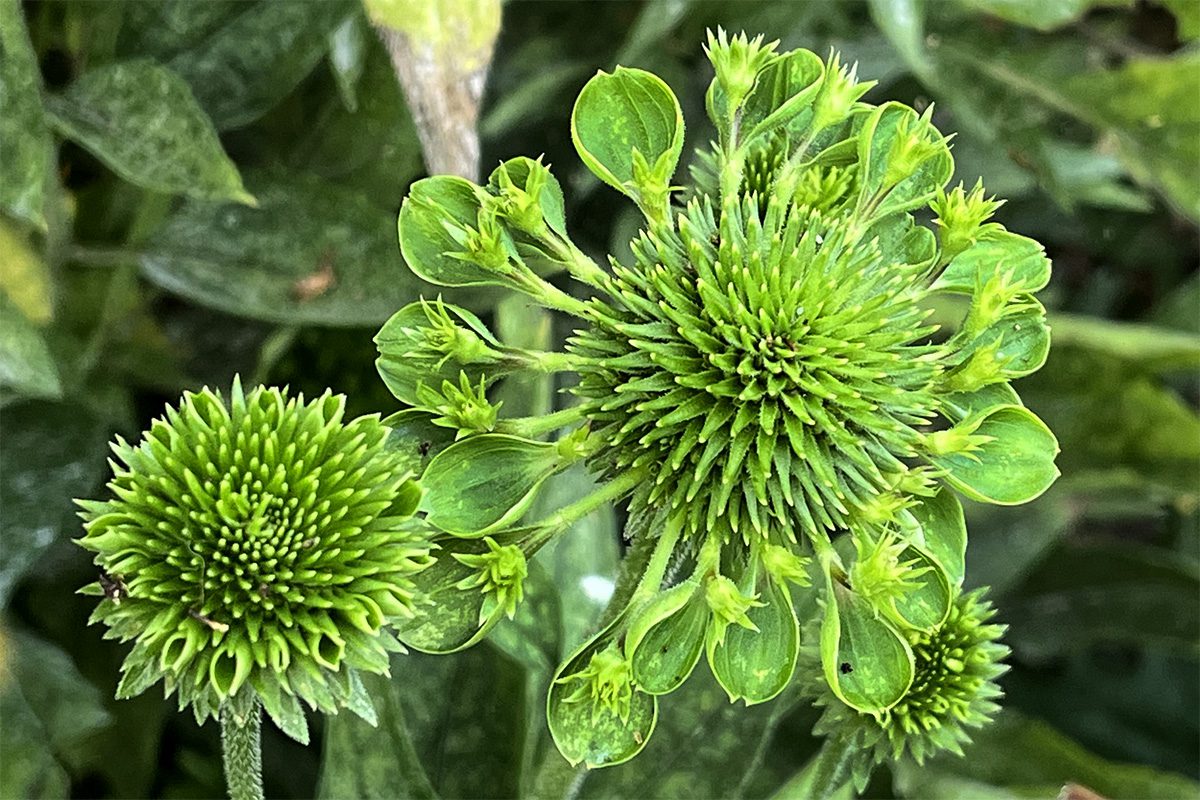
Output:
(242, 753)
(610, 492)
(656, 569)
(530, 427)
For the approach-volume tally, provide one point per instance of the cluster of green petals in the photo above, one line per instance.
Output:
(257, 550)
(763, 383)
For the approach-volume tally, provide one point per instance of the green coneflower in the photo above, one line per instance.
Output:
(953, 690)
(761, 380)
(256, 550)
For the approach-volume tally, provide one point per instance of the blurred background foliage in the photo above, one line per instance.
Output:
(193, 190)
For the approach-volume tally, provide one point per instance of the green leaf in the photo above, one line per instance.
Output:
(24, 137)
(472, 745)
(665, 638)
(944, 531)
(368, 761)
(997, 253)
(875, 142)
(482, 483)
(1014, 465)
(44, 698)
(783, 89)
(755, 666)
(24, 276)
(591, 732)
(1012, 347)
(142, 121)
(1148, 347)
(347, 57)
(866, 663)
(550, 199)
(404, 366)
(311, 253)
(1149, 104)
(630, 111)
(957, 406)
(26, 365)
(584, 560)
(1031, 759)
(435, 206)
(1116, 593)
(705, 746)
(257, 56)
(1043, 15)
(925, 606)
(453, 618)
(414, 436)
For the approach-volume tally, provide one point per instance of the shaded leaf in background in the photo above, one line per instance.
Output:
(52, 453)
(142, 121)
(256, 56)
(703, 746)
(310, 253)
(1113, 593)
(466, 714)
(24, 276)
(26, 366)
(50, 713)
(368, 761)
(24, 137)
(1030, 759)
(1043, 15)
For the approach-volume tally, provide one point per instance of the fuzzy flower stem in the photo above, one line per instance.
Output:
(610, 492)
(536, 426)
(242, 753)
(831, 769)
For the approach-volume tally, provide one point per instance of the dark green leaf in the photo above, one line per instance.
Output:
(51, 453)
(367, 761)
(311, 253)
(24, 137)
(256, 56)
(26, 366)
(142, 121)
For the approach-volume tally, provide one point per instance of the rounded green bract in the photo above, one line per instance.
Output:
(256, 548)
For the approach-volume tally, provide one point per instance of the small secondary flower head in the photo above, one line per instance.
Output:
(256, 547)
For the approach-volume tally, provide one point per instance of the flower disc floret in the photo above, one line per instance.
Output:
(257, 547)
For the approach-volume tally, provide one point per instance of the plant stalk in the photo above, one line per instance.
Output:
(241, 750)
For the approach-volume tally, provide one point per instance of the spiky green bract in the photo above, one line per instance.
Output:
(772, 370)
(256, 547)
(954, 690)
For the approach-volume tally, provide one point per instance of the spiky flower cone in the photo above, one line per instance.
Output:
(763, 382)
(256, 550)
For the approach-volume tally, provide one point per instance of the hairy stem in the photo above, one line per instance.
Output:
(241, 749)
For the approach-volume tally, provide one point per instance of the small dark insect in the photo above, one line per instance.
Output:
(846, 668)
(114, 588)
(263, 590)
(423, 448)
(316, 283)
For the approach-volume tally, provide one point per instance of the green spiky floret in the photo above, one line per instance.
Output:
(773, 370)
(953, 690)
(256, 548)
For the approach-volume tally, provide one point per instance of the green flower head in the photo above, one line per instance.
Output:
(796, 355)
(258, 548)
